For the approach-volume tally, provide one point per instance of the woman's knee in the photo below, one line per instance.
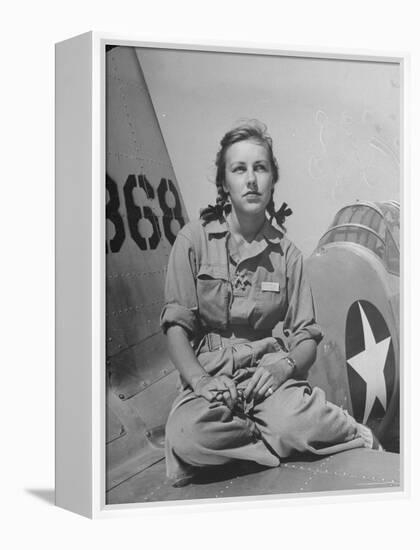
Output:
(180, 431)
(193, 427)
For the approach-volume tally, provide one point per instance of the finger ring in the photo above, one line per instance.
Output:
(270, 391)
(219, 396)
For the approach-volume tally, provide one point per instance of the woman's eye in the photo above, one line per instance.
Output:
(239, 169)
(261, 168)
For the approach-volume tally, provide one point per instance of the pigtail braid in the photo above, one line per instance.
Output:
(217, 211)
(280, 215)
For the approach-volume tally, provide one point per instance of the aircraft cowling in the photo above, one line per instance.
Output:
(356, 303)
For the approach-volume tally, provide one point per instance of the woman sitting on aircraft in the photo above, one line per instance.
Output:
(232, 276)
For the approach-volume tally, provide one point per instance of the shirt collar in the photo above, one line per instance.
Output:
(268, 231)
(271, 233)
(216, 227)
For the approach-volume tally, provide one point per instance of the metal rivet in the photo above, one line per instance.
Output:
(121, 396)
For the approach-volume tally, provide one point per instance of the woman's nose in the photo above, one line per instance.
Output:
(251, 179)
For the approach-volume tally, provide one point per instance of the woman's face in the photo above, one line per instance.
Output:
(248, 177)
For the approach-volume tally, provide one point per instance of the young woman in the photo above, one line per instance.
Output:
(232, 277)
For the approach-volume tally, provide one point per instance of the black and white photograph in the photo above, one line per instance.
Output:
(252, 274)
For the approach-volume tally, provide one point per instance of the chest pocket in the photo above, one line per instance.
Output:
(213, 294)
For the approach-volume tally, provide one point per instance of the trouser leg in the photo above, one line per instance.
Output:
(200, 433)
(297, 417)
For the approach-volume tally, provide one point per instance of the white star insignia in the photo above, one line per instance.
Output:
(370, 364)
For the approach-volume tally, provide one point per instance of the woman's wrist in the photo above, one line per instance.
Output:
(291, 366)
(195, 380)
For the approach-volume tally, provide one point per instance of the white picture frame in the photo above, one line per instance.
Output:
(80, 266)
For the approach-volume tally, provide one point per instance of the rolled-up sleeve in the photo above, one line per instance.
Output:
(299, 322)
(180, 289)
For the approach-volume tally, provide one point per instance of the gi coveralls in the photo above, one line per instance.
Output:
(228, 306)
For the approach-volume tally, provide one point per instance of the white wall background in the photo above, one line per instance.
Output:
(29, 30)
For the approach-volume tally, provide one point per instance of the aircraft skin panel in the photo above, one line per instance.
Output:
(144, 211)
(136, 368)
(114, 428)
(155, 401)
(135, 117)
(356, 470)
(144, 428)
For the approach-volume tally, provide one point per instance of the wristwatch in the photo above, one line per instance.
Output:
(292, 363)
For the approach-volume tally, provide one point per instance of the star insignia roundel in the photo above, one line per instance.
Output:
(370, 361)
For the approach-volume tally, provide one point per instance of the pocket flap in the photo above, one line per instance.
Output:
(212, 272)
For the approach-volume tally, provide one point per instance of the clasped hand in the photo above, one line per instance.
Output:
(272, 371)
(217, 388)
